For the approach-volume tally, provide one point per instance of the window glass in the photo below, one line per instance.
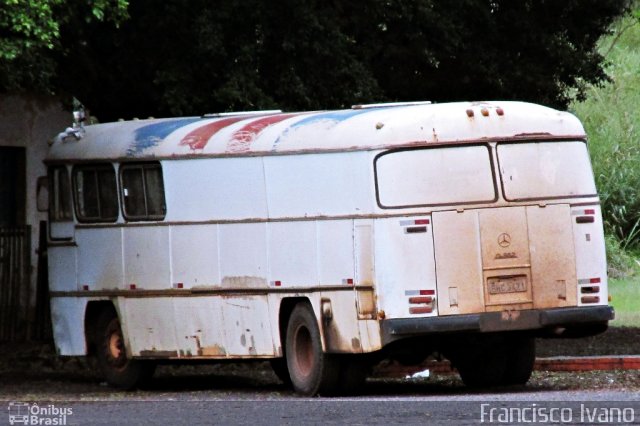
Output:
(143, 191)
(435, 176)
(96, 193)
(545, 170)
(60, 195)
(155, 191)
(133, 192)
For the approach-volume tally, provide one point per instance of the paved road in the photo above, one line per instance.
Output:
(237, 399)
(573, 408)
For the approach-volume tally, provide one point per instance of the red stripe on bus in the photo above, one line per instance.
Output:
(198, 138)
(242, 138)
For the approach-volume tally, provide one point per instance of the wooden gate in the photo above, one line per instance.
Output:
(15, 268)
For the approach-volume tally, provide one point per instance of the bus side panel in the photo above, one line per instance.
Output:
(404, 264)
(243, 255)
(293, 253)
(67, 320)
(100, 258)
(591, 259)
(146, 257)
(247, 326)
(148, 326)
(200, 327)
(194, 255)
(215, 188)
(62, 268)
(317, 185)
(335, 251)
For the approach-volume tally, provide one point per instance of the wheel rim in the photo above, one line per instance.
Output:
(303, 350)
(115, 345)
(115, 351)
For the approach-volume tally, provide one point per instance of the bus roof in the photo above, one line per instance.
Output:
(360, 128)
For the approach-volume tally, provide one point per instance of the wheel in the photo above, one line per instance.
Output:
(311, 370)
(521, 355)
(482, 362)
(118, 370)
(279, 367)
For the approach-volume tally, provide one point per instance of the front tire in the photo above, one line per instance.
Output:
(311, 370)
(118, 370)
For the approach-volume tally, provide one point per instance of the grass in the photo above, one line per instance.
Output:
(625, 298)
(611, 117)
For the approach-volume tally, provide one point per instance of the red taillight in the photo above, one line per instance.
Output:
(421, 310)
(427, 292)
(590, 299)
(416, 300)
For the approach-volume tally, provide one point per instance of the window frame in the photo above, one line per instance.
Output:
(143, 166)
(454, 146)
(55, 195)
(96, 168)
(548, 197)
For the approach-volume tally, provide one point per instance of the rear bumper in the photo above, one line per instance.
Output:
(395, 329)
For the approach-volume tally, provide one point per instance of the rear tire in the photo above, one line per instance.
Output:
(118, 370)
(521, 356)
(311, 370)
(482, 363)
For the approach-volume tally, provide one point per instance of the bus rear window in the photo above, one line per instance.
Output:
(435, 176)
(545, 170)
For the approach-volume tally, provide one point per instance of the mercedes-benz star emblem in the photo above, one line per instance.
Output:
(504, 240)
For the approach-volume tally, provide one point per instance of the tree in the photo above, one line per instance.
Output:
(179, 57)
(30, 45)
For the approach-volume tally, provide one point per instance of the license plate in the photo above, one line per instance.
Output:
(500, 285)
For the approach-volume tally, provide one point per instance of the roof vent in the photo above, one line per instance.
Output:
(390, 104)
(242, 113)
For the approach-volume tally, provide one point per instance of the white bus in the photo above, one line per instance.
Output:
(327, 241)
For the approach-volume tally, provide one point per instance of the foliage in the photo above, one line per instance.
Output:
(180, 57)
(625, 299)
(30, 30)
(612, 121)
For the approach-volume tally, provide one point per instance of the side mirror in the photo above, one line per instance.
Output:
(42, 194)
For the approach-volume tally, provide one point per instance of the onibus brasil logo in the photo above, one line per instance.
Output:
(33, 414)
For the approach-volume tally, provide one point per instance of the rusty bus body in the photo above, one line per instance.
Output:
(325, 241)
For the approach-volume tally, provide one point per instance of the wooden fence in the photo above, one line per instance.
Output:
(15, 269)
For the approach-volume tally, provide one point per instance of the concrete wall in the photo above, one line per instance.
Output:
(30, 122)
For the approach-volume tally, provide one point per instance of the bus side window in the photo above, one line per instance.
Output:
(143, 191)
(60, 195)
(61, 225)
(96, 193)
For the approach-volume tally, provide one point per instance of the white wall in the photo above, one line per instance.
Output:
(30, 122)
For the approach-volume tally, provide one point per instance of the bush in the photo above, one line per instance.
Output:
(612, 120)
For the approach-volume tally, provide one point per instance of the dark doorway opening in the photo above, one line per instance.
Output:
(12, 187)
